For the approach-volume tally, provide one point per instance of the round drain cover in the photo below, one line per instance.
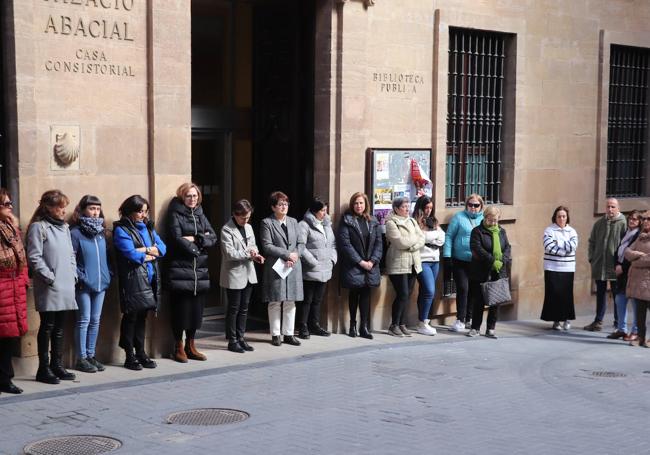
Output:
(608, 374)
(73, 445)
(207, 416)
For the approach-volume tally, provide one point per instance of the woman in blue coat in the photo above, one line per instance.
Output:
(458, 255)
(360, 250)
(138, 250)
(88, 235)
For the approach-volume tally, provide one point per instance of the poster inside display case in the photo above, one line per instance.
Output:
(397, 173)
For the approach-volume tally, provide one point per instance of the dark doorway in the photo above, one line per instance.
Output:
(252, 109)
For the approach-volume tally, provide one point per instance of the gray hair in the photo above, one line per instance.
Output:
(398, 201)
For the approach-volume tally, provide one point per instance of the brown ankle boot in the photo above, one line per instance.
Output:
(191, 351)
(179, 353)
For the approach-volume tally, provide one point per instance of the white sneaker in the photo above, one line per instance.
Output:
(556, 325)
(473, 333)
(491, 334)
(567, 325)
(457, 326)
(425, 329)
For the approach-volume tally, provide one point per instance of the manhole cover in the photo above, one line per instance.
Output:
(210, 416)
(608, 374)
(73, 445)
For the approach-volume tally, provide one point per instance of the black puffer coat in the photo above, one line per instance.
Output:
(187, 262)
(480, 269)
(353, 249)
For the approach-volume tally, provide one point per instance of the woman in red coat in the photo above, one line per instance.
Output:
(13, 295)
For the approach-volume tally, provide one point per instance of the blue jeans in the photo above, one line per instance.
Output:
(90, 309)
(621, 310)
(427, 280)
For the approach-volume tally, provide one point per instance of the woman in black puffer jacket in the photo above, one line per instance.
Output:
(189, 237)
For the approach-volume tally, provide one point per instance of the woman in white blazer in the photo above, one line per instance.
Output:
(238, 252)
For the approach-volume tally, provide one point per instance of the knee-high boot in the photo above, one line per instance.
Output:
(56, 362)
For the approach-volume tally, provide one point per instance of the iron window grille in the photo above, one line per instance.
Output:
(627, 123)
(476, 75)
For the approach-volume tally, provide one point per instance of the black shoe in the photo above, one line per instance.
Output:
(96, 363)
(353, 329)
(319, 331)
(364, 332)
(290, 339)
(131, 363)
(62, 373)
(145, 361)
(10, 387)
(85, 366)
(245, 346)
(45, 375)
(303, 333)
(234, 346)
(276, 340)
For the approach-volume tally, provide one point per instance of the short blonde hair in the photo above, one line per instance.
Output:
(492, 210)
(185, 188)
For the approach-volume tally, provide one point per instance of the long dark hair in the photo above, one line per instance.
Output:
(49, 200)
(85, 201)
(418, 213)
(133, 204)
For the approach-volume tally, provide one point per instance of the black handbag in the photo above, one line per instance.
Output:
(496, 292)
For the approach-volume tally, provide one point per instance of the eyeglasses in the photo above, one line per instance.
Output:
(645, 218)
(282, 204)
(7, 204)
(473, 205)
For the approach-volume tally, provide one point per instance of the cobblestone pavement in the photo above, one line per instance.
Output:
(532, 394)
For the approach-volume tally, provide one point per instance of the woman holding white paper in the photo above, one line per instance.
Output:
(282, 249)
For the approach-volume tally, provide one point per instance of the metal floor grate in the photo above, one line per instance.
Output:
(208, 416)
(608, 374)
(73, 445)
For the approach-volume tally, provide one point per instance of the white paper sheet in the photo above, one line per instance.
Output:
(281, 268)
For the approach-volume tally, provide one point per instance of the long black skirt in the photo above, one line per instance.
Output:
(187, 310)
(558, 296)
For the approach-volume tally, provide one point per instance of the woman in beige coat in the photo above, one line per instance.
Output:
(402, 260)
(638, 277)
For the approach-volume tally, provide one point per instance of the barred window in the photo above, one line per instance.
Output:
(627, 125)
(477, 72)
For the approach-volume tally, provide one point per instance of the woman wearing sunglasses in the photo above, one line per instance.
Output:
(638, 278)
(457, 256)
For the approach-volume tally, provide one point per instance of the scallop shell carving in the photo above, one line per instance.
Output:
(66, 149)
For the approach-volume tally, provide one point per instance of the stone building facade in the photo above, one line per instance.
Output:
(247, 96)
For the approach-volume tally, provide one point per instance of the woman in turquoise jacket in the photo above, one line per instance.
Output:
(457, 256)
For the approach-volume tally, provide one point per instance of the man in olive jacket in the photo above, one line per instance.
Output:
(604, 239)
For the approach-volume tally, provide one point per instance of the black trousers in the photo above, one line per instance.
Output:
(237, 311)
(309, 308)
(403, 285)
(6, 368)
(50, 329)
(463, 292)
(479, 306)
(186, 314)
(642, 307)
(132, 331)
(359, 298)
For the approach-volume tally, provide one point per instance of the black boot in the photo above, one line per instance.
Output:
(44, 373)
(364, 332)
(353, 329)
(245, 346)
(317, 330)
(56, 363)
(234, 346)
(131, 362)
(303, 332)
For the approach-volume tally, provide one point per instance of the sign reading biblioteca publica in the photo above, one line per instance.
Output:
(90, 19)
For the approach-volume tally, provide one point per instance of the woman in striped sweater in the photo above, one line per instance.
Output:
(560, 245)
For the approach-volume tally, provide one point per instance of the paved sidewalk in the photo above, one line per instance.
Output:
(532, 391)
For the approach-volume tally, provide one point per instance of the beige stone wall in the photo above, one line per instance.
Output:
(120, 76)
(559, 125)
